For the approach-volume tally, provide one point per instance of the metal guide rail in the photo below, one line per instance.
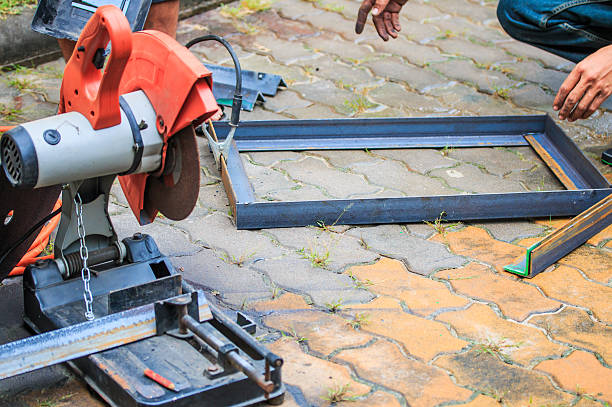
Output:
(584, 182)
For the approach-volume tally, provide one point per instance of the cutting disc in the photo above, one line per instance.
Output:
(175, 193)
(28, 207)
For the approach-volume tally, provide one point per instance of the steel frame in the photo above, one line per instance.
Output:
(585, 184)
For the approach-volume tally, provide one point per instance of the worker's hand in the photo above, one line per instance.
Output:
(385, 15)
(586, 87)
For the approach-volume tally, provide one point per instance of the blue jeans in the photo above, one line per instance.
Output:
(571, 29)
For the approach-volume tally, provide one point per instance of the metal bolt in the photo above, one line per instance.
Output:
(213, 368)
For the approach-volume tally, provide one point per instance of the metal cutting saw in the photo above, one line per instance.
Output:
(118, 311)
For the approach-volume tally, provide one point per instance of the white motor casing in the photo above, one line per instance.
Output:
(65, 148)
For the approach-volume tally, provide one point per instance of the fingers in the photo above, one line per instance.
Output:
(379, 6)
(362, 15)
(584, 104)
(597, 101)
(395, 21)
(381, 29)
(389, 24)
(566, 87)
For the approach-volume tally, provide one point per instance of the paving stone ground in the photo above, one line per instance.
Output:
(390, 315)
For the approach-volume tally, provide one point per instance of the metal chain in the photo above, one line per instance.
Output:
(85, 273)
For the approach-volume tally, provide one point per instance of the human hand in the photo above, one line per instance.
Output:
(586, 87)
(385, 15)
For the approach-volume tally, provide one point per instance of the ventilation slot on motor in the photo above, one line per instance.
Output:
(11, 160)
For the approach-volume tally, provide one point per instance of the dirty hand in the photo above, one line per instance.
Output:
(586, 87)
(385, 15)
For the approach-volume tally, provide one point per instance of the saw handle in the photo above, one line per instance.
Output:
(89, 87)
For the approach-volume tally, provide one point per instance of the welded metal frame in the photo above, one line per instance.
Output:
(586, 185)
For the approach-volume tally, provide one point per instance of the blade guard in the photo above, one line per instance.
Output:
(178, 86)
(180, 89)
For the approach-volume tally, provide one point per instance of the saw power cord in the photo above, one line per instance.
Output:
(39, 244)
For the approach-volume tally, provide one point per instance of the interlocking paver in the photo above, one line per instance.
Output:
(596, 264)
(414, 380)
(334, 45)
(468, 101)
(395, 175)
(414, 53)
(532, 96)
(243, 246)
(420, 256)
(420, 160)
(379, 303)
(575, 327)
(262, 63)
(412, 104)
(314, 377)
(285, 28)
(323, 286)
(285, 100)
(581, 372)
(511, 231)
(396, 70)
(231, 283)
(529, 51)
(287, 301)
(512, 385)
(516, 342)
(533, 72)
(476, 243)
(339, 250)
(349, 159)
(567, 284)
(515, 299)
(601, 237)
(465, 71)
(482, 54)
(482, 401)
(419, 294)
(474, 179)
(336, 183)
(321, 332)
(422, 338)
(497, 161)
(325, 92)
(475, 12)
(378, 399)
(345, 76)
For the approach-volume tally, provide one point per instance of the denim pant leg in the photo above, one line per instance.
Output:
(571, 29)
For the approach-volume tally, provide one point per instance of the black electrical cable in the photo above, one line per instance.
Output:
(29, 232)
(237, 101)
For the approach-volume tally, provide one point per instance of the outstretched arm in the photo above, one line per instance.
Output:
(385, 15)
(586, 87)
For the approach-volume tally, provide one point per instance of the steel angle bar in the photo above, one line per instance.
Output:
(254, 86)
(342, 134)
(76, 341)
(266, 83)
(571, 235)
(257, 215)
(224, 94)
